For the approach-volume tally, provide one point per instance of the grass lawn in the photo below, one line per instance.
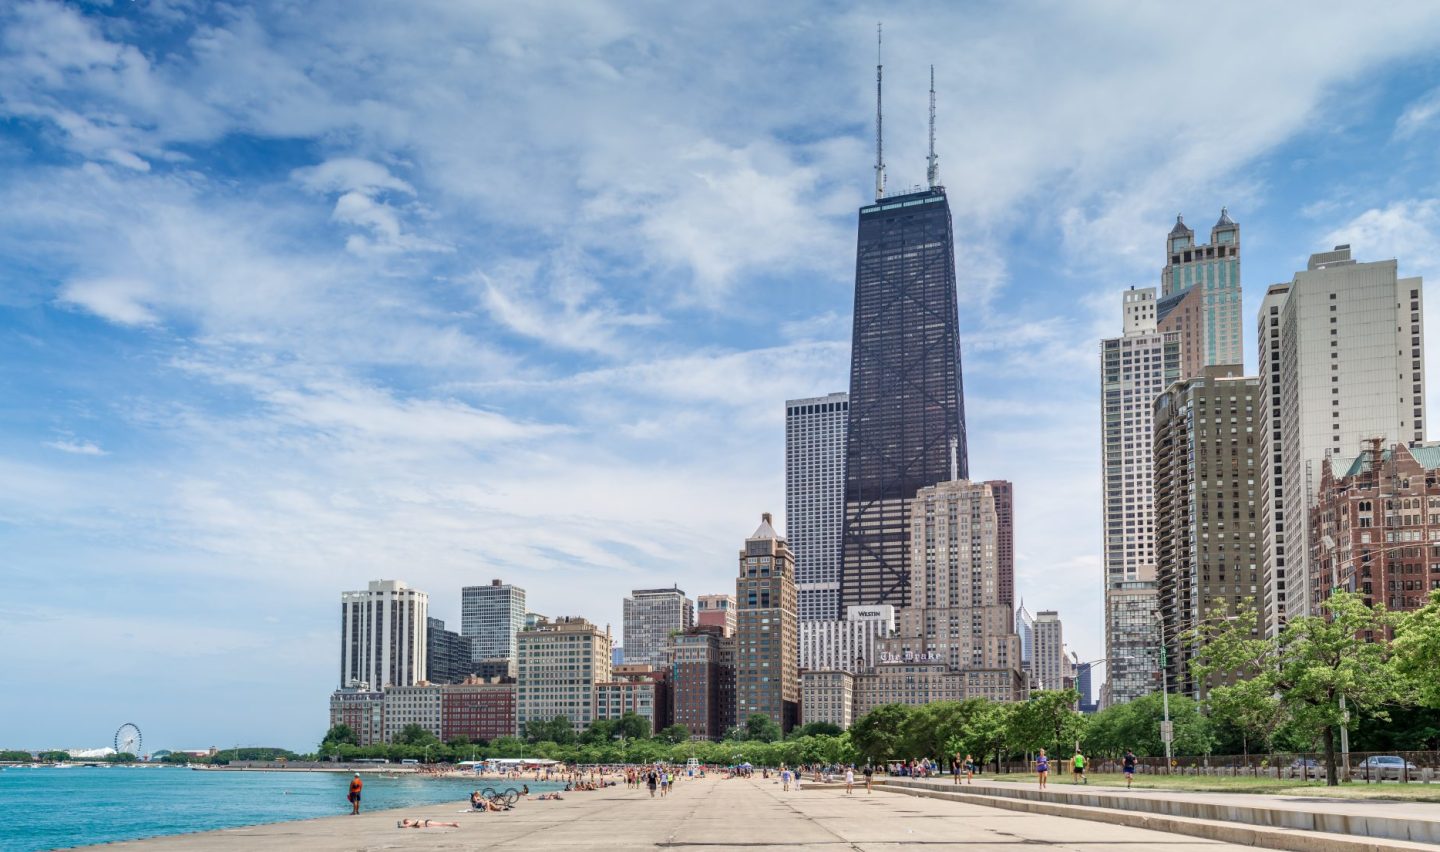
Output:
(1393, 791)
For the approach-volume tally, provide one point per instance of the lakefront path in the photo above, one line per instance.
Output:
(701, 814)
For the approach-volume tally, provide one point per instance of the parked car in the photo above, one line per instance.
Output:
(1386, 767)
(1304, 767)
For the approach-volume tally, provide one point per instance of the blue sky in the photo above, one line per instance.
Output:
(296, 296)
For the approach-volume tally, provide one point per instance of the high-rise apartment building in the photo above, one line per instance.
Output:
(1135, 368)
(447, 654)
(907, 412)
(815, 499)
(845, 644)
(559, 664)
(1375, 525)
(1270, 470)
(651, 615)
(717, 610)
(382, 635)
(1207, 462)
(1003, 493)
(703, 682)
(1352, 368)
(1201, 295)
(492, 616)
(1049, 668)
(767, 651)
(1025, 629)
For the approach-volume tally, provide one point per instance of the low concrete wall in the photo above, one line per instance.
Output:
(1233, 815)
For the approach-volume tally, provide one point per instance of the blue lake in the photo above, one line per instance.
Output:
(49, 808)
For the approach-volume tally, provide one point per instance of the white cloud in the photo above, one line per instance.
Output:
(79, 448)
(120, 300)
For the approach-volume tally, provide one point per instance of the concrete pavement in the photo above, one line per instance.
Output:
(715, 814)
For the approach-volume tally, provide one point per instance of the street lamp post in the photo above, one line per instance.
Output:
(1167, 730)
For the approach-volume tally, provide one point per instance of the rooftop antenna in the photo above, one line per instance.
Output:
(879, 120)
(933, 170)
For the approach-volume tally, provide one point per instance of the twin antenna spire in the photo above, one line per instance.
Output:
(932, 169)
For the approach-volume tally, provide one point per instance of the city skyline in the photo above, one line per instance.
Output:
(283, 325)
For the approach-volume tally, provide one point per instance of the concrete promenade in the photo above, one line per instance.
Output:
(1273, 821)
(701, 814)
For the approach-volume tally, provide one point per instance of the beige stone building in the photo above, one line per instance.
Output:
(767, 628)
(560, 662)
(828, 696)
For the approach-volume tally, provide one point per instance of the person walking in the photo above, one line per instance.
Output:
(784, 779)
(355, 786)
(652, 782)
(956, 767)
(869, 778)
(1077, 768)
(850, 779)
(1129, 766)
(969, 769)
(1042, 767)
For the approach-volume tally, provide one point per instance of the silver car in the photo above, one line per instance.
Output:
(1386, 767)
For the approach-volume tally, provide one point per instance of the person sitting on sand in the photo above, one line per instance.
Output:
(425, 823)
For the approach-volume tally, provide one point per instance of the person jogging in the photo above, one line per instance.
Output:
(1077, 767)
(1042, 768)
(1129, 765)
(355, 786)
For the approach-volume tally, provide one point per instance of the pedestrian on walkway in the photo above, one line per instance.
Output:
(1129, 764)
(969, 769)
(850, 779)
(1077, 767)
(1042, 767)
(869, 778)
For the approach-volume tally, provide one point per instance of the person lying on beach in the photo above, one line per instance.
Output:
(425, 823)
(484, 804)
(548, 797)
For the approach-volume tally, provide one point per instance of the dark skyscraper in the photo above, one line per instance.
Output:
(907, 409)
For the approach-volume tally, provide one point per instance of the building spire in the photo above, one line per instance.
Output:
(879, 120)
(932, 171)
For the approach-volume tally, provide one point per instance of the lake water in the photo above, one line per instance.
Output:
(49, 808)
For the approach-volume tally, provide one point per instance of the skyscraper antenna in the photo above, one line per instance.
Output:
(879, 119)
(932, 171)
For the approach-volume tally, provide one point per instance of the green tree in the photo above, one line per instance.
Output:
(632, 726)
(558, 730)
(1417, 650)
(12, 756)
(598, 731)
(877, 735)
(674, 734)
(982, 734)
(341, 734)
(61, 756)
(817, 729)
(761, 728)
(1310, 665)
(415, 735)
(1048, 720)
(929, 730)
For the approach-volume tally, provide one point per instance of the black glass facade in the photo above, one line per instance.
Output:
(907, 407)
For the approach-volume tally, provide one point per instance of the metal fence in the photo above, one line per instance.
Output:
(1366, 767)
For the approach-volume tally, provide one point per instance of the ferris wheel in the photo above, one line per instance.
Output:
(127, 739)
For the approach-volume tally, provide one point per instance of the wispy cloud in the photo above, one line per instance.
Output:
(79, 448)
